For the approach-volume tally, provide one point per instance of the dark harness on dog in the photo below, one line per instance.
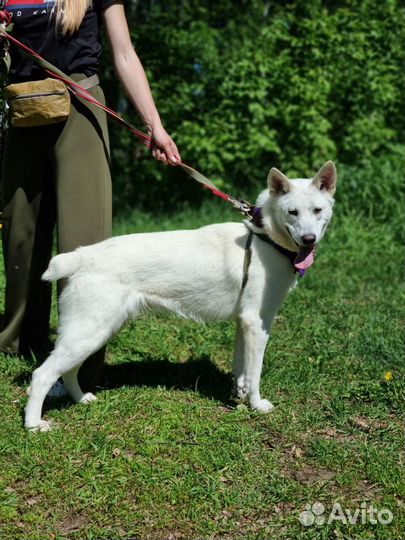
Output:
(291, 255)
(256, 219)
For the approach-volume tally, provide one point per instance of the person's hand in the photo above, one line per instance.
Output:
(164, 149)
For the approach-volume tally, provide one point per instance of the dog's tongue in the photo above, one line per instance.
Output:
(304, 258)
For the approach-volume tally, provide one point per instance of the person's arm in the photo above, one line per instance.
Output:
(135, 83)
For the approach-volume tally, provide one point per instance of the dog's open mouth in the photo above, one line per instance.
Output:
(305, 257)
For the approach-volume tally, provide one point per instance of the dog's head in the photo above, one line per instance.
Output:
(300, 209)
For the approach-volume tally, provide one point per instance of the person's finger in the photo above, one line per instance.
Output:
(159, 155)
(172, 152)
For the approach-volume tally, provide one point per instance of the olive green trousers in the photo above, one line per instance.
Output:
(54, 176)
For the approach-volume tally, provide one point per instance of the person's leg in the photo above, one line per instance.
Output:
(84, 196)
(28, 220)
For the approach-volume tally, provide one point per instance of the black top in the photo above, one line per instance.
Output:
(34, 25)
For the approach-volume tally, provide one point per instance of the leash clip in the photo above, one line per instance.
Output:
(244, 207)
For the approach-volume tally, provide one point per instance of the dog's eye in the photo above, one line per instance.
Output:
(293, 212)
(317, 211)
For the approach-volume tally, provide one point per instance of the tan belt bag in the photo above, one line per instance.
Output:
(38, 103)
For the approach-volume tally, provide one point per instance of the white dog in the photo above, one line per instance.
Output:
(218, 272)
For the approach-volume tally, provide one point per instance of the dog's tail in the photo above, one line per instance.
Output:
(62, 266)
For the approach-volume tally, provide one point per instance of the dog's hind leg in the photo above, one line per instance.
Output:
(255, 340)
(76, 343)
(43, 379)
(73, 388)
(89, 316)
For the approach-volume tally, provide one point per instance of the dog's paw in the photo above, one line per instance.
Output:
(88, 398)
(43, 425)
(262, 405)
(241, 391)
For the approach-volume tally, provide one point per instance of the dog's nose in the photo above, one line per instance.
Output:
(308, 239)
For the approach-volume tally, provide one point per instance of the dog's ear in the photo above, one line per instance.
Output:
(326, 178)
(278, 183)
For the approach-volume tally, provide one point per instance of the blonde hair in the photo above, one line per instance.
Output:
(70, 13)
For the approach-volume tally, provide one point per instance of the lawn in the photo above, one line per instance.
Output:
(166, 452)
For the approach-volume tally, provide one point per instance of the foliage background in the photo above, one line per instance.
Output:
(249, 85)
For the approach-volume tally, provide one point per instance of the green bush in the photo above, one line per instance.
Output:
(373, 189)
(248, 86)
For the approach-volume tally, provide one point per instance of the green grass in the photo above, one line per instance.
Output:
(166, 453)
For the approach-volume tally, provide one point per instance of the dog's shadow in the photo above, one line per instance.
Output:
(200, 375)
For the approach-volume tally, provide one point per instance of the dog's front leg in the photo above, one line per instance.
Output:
(255, 339)
(238, 362)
